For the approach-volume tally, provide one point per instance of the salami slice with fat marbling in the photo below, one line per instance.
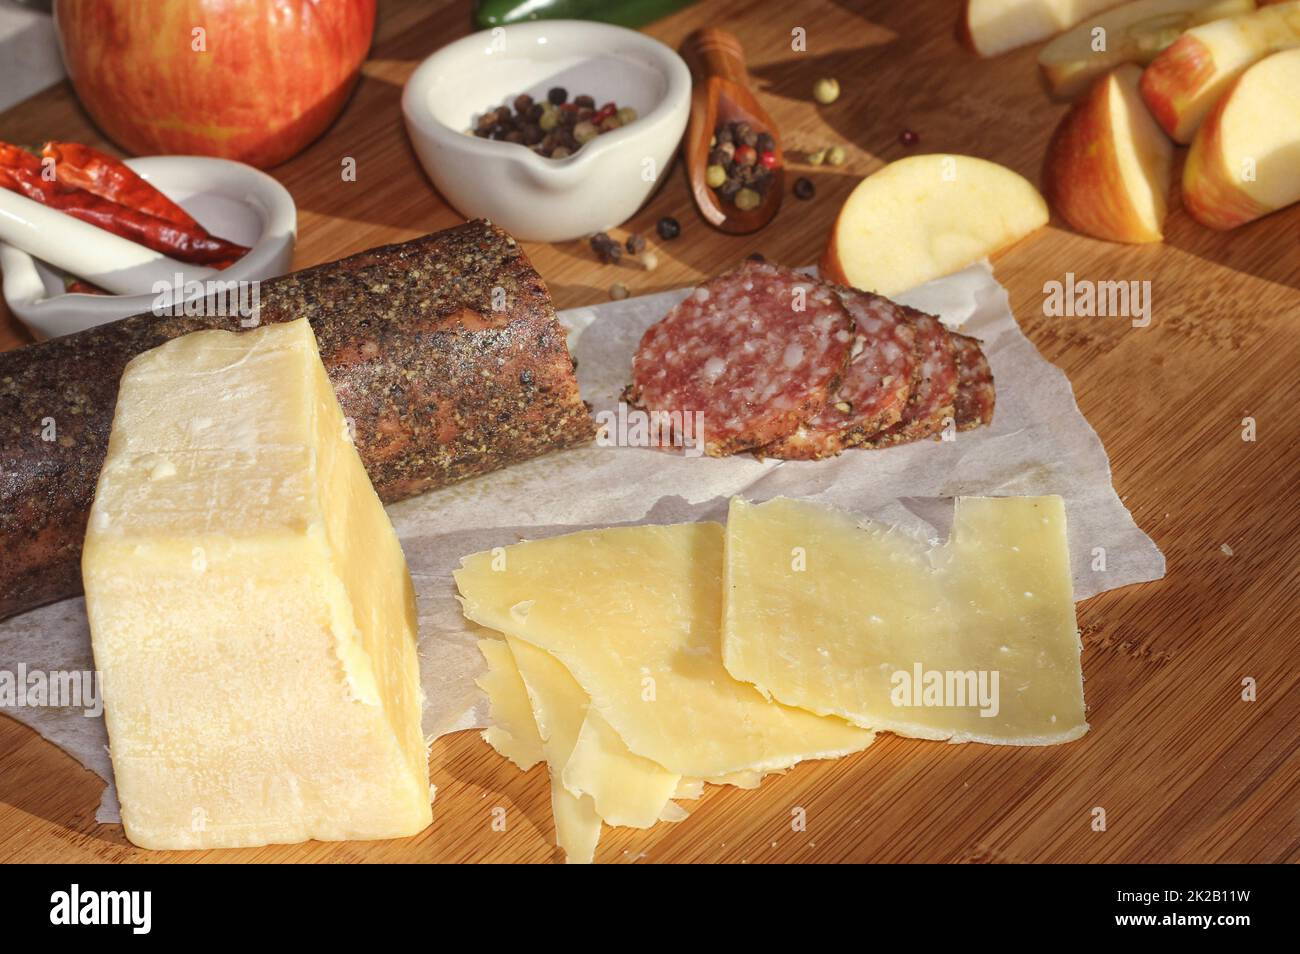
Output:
(756, 351)
(934, 385)
(975, 393)
(875, 388)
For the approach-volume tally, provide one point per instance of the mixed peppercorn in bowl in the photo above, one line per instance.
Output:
(552, 127)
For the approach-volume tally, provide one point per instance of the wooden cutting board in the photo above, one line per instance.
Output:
(1183, 767)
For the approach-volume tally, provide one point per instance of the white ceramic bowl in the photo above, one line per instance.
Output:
(532, 197)
(230, 199)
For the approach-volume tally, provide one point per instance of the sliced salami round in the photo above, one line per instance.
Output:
(975, 393)
(934, 386)
(755, 351)
(875, 388)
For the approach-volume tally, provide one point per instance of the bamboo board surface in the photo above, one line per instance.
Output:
(1184, 769)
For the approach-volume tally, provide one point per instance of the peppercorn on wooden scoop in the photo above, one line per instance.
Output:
(721, 94)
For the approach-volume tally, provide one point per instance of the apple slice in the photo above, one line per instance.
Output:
(927, 216)
(1108, 165)
(1245, 159)
(1131, 33)
(990, 27)
(1184, 81)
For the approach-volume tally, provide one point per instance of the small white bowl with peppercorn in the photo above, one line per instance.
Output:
(553, 129)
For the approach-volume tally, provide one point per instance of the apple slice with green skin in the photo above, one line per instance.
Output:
(1130, 33)
(1109, 165)
(1245, 160)
(1187, 79)
(990, 27)
(927, 216)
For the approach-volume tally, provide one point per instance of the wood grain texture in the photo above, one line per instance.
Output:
(1185, 770)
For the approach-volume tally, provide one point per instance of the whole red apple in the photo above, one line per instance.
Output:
(253, 80)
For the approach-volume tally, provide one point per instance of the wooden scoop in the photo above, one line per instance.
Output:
(720, 95)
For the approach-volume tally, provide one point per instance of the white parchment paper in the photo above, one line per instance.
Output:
(1039, 444)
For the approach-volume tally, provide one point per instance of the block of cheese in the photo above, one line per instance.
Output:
(513, 730)
(634, 614)
(250, 608)
(559, 707)
(973, 641)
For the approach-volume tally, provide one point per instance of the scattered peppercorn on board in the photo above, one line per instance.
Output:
(1183, 767)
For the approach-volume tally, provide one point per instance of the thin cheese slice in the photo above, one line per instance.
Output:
(673, 813)
(745, 779)
(973, 641)
(626, 789)
(629, 790)
(559, 708)
(634, 614)
(689, 788)
(513, 732)
(250, 608)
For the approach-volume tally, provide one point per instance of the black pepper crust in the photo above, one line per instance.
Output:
(444, 351)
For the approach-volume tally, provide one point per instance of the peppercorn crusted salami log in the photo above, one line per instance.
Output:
(445, 353)
(757, 350)
(934, 388)
(875, 388)
(975, 392)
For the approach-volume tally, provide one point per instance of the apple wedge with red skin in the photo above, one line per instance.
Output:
(990, 27)
(1109, 165)
(1130, 33)
(1184, 82)
(923, 217)
(1245, 160)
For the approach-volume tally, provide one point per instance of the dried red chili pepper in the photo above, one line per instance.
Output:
(77, 286)
(15, 161)
(80, 167)
(194, 246)
(20, 171)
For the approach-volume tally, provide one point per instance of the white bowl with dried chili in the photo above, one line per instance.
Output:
(532, 196)
(232, 200)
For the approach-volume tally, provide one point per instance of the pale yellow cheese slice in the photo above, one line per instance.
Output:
(634, 614)
(513, 730)
(628, 790)
(689, 788)
(559, 707)
(863, 622)
(250, 609)
(743, 779)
